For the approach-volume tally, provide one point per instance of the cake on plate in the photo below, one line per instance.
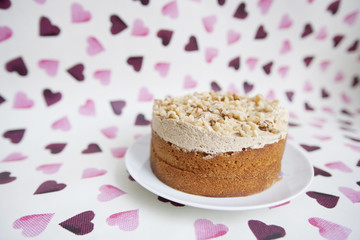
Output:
(218, 144)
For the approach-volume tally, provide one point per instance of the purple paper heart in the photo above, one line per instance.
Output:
(248, 87)
(165, 36)
(261, 33)
(2, 99)
(264, 231)
(5, 4)
(92, 148)
(308, 60)
(77, 72)
(79, 224)
(353, 47)
(143, 2)
(118, 106)
(309, 148)
(337, 39)
(141, 120)
(5, 178)
(15, 136)
(290, 95)
(17, 65)
(49, 186)
(51, 97)
(117, 24)
(56, 147)
(333, 7)
(215, 87)
(307, 30)
(318, 171)
(221, 2)
(308, 107)
(172, 202)
(235, 63)
(267, 67)
(135, 62)
(346, 112)
(326, 200)
(324, 93)
(192, 44)
(354, 82)
(47, 28)
(241, 12)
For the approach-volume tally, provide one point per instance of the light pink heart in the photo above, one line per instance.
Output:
(283, 71)
(328, 110)
(351, 194)
(109, 192)
(353, 147)
(271, 95)
(88, 109)
(49, 168)
(339, 166)
(5, 33)
(118, 152)
(292, 115)
(339, 77)
(330, 230)
(94, 46)
(170, 9)
(126, 221)
(285, 47)
(61, 124)
(110, 132)
(139, 29)
(209, 23)
(322, 34)
(322, 138)
(307, 86)
(189, 82)
(22, 101)
(205, 229)
(137, 136)
(264, 5)
(50, 66)
(162, 68)
(324, 65)
(232, 36)
(251, 62)
(79, 14)
(40, 1)
(285, 22)
(317, 125)
(351, 17)
(103, 76)
(210, 54)
(145, 95)
(14, 157)
(233, 89)
(346, 99)
(93, 172)
(33, 225)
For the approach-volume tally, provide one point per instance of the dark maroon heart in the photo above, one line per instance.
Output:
(291, 124)
(135, 62)
(241, 12)
(51, 97)
(349, 123)
(141, 120)
(161, 199)
(308, 60)
(324, 93)
(309, 148)
(15, 136)
(221, 2)
(117, 24)
(267, 68)
(325, 200)
(2, 99)
(76, 72)
(192, 44)
(17, 65)
(5, 178)
(308, 107)
(353, 139)
(79, 224)
(165, 36)
(144, 2)
(318, 171)
(333, 7)
(353, 46)
(47, 28)
(337, 39)
(92, 148)
(354, 82)
(56, 147)
(358, 164)
(263, 231)
(358, 183)
(248, 87)
(118, 106)
(346, 112)
(307, 30)
(215, 87)
(49, 186)
(290, 95)
(235, 63)
(261, 33)
(5, 4)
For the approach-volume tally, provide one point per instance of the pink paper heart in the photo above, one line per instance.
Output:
(308, 86)
(78, 14)
(103, 76)
(139, 29)
(162, 68)
(339, 77)
(339, 166)
(40, 1)
(88, 109)
(126, 221)
(61, 124)
(233, 89)
(145, 95)
(351, 194)
(94, 46)
(170, 9)
(324, 65)
(109, 192)
(13, 157)
(271, 95)
(232, 36)
(330, 230)
(285, 22)
(22, 101)
(209, 23)
(353, 147)
(322, 138)
(189, 82)
(5, 33)
(110, 132)
(49, 168)
(205, 229)
(351, 17)
(33, 225)
(251, 62)
(50, 66)
(93, 172)
(264, 5)
(118, 152)
(210, 54)
(346, 99)
(286, 47)
(322, 34)
(283, 71)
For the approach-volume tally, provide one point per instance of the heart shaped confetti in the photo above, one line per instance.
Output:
(6, 178)
(117, 24)
(232, 37)
(50, 66)
(33, 225)
(241, 12)
(141, 120)
(118, 152)
(51, 97)
(5, 33)
(109, 192)
(351, 194)
(76, 72)
(17, 65)
(88, 109)
(139, 29)
(170, 9)
(162, 68)
(110, 132)
(94, 46)
(79, 224)
(56, 147)
(326, 200)
(49, 186)
(261, 33)
(135, 62)
(49, 168)
(103, 76)
(92, 148)
(189, 82)
(165, 36)
(15, 136)
(22, 101)
(79, 14)
(206, 229)
(330, 230)
(126, 221)
(192, 44)
(145, 95)
(209, 23)
(62, 124)
(93, 172)
(14, 157)
(47, 29)
(264, 231)
(118, 106)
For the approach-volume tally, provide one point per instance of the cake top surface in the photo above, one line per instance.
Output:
(225, 113)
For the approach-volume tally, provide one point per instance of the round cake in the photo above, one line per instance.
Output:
(218, 144)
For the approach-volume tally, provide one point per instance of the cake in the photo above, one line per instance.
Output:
(218, 144)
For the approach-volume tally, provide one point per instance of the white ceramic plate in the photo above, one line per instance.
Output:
(296, 169)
